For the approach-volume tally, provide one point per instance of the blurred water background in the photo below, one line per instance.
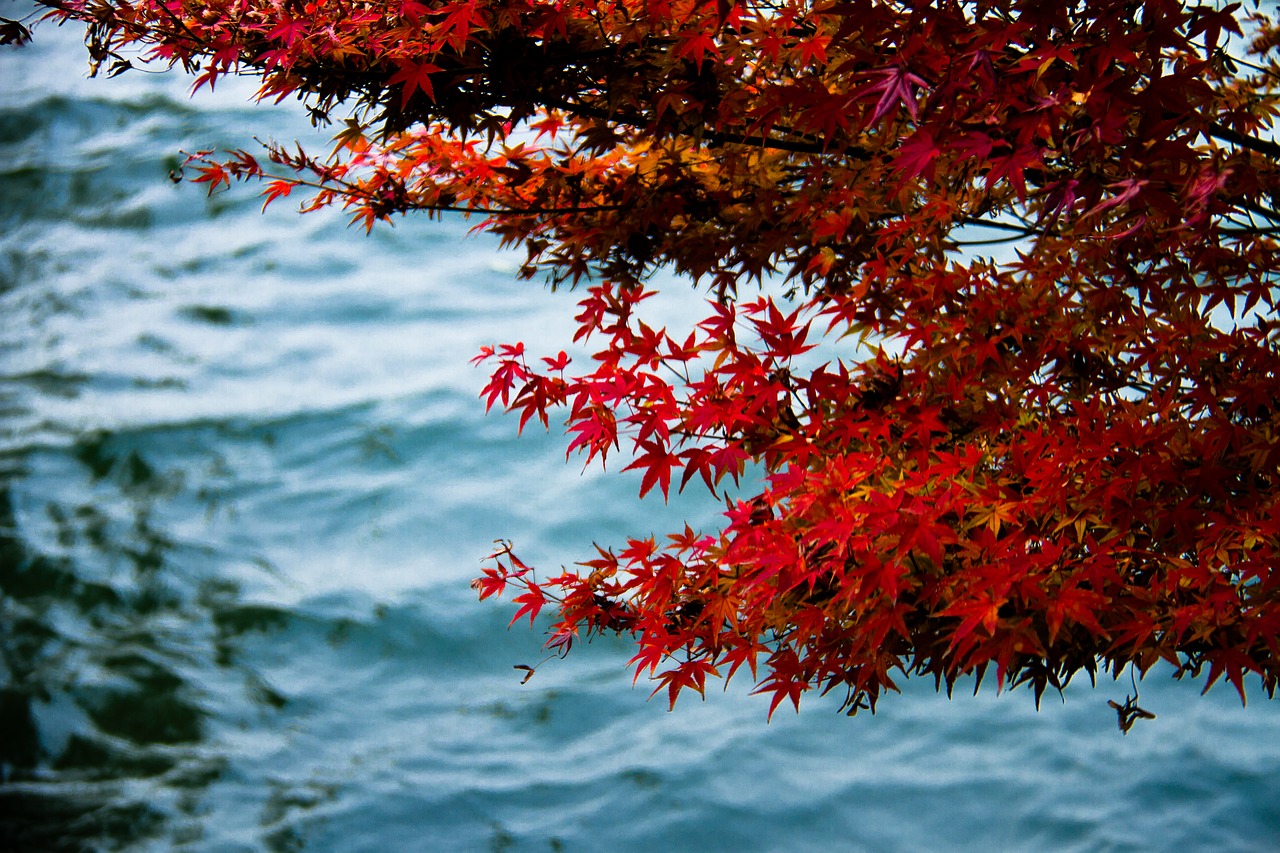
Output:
(245, 479)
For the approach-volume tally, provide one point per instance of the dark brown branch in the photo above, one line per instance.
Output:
(1264, 212)
(1018, 230)
(1253, 143)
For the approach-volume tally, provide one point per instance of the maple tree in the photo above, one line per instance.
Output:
(992, 305)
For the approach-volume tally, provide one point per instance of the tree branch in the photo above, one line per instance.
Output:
(1253, 143)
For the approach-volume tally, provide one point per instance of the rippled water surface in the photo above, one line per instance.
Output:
(245, 479)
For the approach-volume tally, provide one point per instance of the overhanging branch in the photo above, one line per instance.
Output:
(1253, 143)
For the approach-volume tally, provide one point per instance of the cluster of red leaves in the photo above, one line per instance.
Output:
(1065, 458)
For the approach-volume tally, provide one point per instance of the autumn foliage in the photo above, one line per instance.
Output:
(991, 319)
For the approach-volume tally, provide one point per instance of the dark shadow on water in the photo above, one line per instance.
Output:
(107, 634)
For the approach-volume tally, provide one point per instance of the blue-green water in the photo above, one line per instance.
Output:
(245, 479)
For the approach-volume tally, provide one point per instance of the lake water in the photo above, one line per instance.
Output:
(245, 478)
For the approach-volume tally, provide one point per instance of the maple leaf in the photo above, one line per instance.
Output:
(596, 430)
(289, 30)
(548, 125)
(783, 684)
(692, 674)
(13, 32)
(814, 48)
(973, 613)
(276, 189)
(897, 86)
(492, 582)
(916, 155)
(413, 77)
(455, 27)
(1012, 168)
(1235, 664)
(531, 603)
(213, 174)
(696, 46)
(412, 10)
(657, 462)
(510, 370)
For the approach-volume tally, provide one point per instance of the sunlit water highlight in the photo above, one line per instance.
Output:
(244, 480)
